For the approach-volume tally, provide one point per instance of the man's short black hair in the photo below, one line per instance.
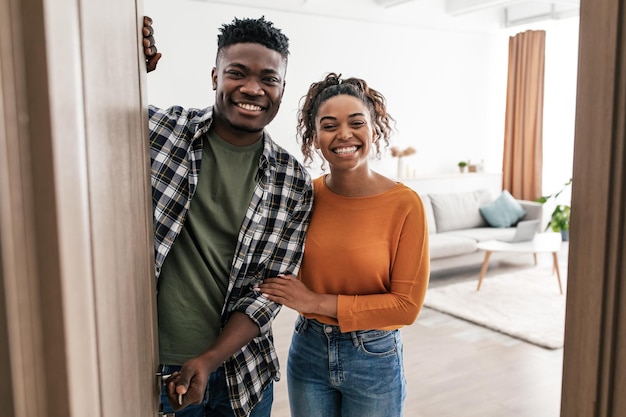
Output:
(259, 31)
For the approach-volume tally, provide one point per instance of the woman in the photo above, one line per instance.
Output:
(365, 269)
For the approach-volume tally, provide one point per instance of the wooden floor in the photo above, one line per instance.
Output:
(457, 369)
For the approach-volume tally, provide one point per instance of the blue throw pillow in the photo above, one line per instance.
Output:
(504, 211)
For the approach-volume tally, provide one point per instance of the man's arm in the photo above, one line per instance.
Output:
(149, 48)
(286, 258)
(252, 314)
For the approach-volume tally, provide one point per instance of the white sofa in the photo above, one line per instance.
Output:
(456, 225)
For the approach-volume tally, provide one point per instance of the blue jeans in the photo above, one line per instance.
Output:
(216, 402)
(356, 374)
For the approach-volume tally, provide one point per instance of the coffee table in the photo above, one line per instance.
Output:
(542, 243)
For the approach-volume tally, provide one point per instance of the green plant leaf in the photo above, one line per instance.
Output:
(560, 218)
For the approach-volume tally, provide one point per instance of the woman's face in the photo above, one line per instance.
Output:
(343, 132)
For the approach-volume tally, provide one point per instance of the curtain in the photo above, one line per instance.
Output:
(522, 163)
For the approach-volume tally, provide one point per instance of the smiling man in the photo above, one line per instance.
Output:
(231, 208)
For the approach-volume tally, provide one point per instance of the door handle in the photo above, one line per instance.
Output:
(160, 378)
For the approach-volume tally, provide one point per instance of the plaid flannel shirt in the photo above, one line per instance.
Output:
(271, 239)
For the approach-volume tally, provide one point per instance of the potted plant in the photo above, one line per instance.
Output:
(560, 217)
(462, 166)
(559, 220)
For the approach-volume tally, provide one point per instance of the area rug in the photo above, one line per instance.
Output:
(524, 304)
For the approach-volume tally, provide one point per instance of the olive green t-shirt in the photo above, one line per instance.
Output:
(194, 276)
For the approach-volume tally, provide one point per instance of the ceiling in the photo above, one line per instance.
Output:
(476, 15)
(514, 11)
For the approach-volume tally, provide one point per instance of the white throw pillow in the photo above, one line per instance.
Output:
(455, 211)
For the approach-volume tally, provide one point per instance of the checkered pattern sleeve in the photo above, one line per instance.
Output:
(283, 245)
(271, 243)
(175, 155)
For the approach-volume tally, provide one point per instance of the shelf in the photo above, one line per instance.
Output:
(452, 183)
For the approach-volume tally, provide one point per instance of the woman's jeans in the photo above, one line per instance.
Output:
(216, 402)
(355, 374)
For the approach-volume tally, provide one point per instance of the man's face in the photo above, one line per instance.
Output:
(249, 81)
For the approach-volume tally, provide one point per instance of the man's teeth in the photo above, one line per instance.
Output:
(346, 150)
(250, 107)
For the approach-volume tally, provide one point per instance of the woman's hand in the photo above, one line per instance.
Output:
(291, 292)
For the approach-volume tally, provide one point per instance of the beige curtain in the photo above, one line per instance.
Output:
(523, 133)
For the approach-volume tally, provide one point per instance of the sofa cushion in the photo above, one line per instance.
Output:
(443, 245)
(455, 211)
(504, 211)
(480, 234)
(430, 215)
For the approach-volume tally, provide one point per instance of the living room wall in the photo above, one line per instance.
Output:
(445, 87)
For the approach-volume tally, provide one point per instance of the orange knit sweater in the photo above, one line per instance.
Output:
(370, 251)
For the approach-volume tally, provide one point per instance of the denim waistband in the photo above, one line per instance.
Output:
(335, 331)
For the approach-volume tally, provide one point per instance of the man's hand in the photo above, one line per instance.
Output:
(188, 386)
(149, 49)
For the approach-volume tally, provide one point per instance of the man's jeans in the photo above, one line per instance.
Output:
(356, 374)
(216, 402)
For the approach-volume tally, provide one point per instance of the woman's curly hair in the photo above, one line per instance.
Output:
(333, 85)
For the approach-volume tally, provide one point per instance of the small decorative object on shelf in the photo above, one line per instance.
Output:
(462, 166)
(397, 153)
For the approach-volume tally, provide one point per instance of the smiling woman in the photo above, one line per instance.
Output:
(366, 263)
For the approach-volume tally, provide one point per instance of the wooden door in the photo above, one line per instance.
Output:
(77, 305)
(594, 359)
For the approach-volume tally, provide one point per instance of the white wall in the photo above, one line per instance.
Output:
(445, 87)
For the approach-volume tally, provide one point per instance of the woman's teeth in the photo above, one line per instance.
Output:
(345, 150)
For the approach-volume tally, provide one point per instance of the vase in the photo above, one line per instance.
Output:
(400, 173)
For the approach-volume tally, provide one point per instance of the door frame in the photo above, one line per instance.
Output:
(77, 311)
(77, 318)
(594, 357)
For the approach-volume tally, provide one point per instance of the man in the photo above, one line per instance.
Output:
(231, 208)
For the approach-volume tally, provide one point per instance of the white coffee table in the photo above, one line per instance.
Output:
(542, 243)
